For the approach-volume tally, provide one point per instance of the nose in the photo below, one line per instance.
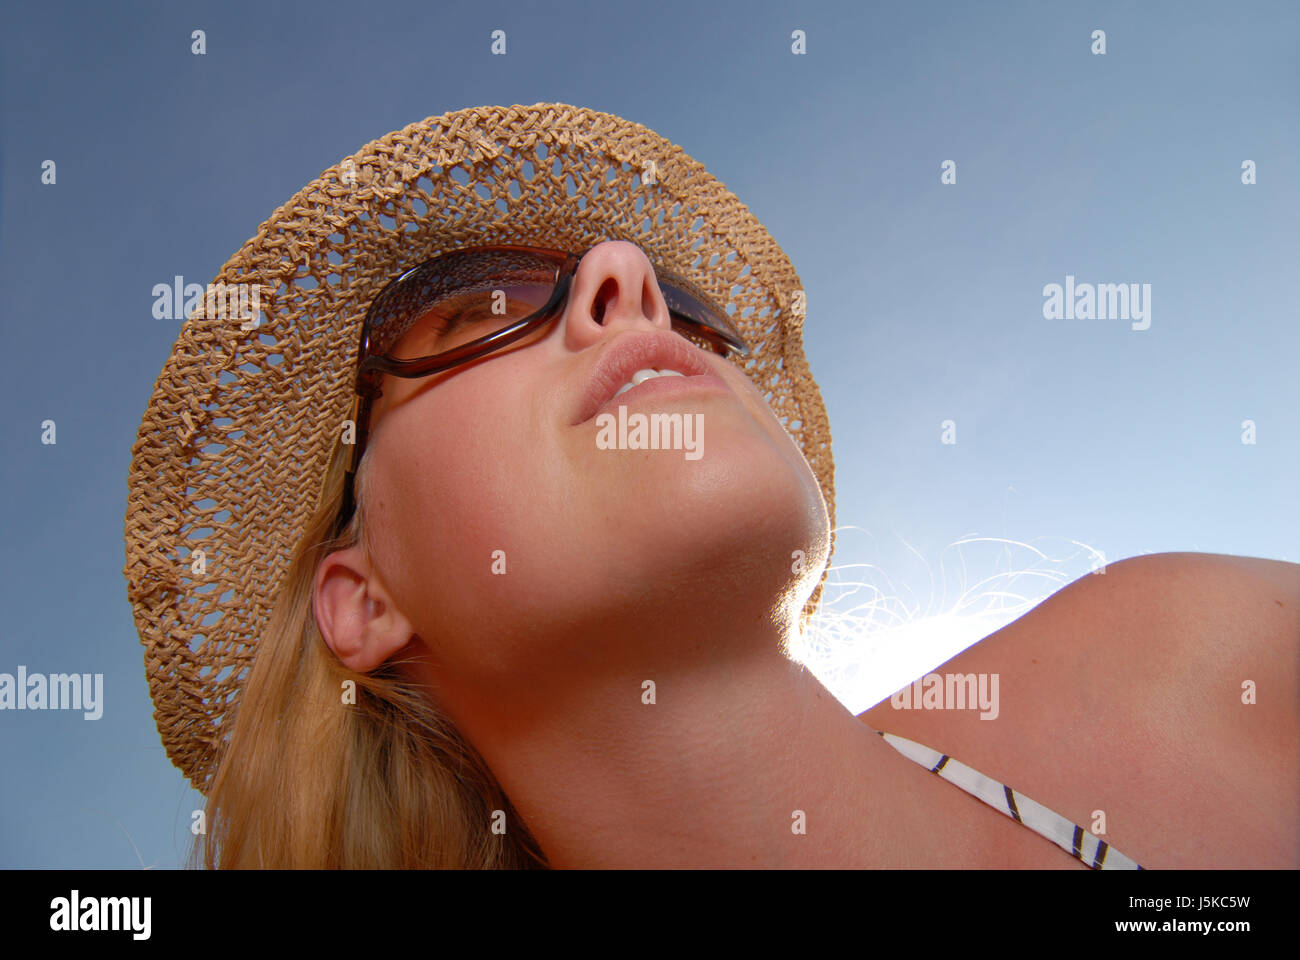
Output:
(613, 289)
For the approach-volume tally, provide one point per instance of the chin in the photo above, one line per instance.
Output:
(747, 505)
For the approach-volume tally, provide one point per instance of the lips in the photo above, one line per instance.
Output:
(631, 352)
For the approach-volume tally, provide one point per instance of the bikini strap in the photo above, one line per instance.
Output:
(1081, 844)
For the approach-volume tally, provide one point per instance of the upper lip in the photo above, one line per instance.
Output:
(630, 352)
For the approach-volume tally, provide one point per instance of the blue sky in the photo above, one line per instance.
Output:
(925, 300)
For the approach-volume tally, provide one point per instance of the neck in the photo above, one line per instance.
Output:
(739, 761)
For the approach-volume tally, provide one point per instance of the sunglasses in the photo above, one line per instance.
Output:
(468, 303)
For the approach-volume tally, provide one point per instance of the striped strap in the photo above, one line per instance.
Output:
(1070, 837)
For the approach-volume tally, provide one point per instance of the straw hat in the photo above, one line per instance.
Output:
(233, 448)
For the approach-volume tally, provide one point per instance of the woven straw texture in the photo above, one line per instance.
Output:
(232, 451)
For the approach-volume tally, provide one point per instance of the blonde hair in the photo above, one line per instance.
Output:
(308, 781)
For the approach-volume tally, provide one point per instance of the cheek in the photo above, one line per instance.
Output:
(458, 498)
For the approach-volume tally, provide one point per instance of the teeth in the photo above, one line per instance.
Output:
(642, 375)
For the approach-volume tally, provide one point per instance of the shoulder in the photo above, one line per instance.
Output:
(1186, 619)
(1191, 621)
(1246, 598)
(1193, 636)
(1162, 691)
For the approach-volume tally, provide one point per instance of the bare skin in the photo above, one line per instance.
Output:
(1123, 693)
(633, 566)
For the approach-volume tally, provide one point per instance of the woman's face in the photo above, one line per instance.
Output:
(518, 547)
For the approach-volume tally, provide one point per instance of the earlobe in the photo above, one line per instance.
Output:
(354, 613)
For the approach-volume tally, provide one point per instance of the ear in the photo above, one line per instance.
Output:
(356, 616)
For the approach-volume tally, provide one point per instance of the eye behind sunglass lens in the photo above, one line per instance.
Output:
(462, 316)
(489, 283)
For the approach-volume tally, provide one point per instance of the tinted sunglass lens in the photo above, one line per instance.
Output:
(459, 298)
(468, 315)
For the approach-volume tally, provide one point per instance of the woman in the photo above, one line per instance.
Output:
(413, 597)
